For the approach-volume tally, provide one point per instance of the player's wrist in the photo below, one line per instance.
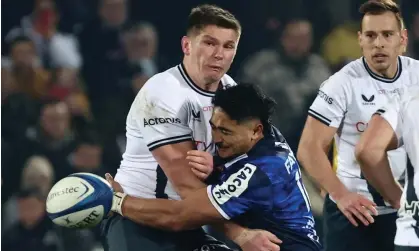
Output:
(117, 202)
(242, 237)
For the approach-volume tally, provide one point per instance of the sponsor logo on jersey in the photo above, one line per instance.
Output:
(207, 108)
(235, 185)
(159, 121)
(361, 126)
(382, 91)
(368, 100)
(325, 97)
(196, 115)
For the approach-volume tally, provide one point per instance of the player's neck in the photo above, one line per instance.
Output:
(199, 80)
(390, 72)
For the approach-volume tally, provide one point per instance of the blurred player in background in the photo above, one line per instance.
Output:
(356, 217)
(168, 118)
(260, 185)
(393, 126)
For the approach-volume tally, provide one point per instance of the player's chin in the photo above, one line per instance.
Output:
(215, 76)
(224, 152)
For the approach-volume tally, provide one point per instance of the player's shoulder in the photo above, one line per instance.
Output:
(348, 76)
(164, 82)
(409, 64)
(410, 95)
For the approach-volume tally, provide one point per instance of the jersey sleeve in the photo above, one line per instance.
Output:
(161, 113)
(391, 114)
(411, 130)
(330, 105)
(243, 190)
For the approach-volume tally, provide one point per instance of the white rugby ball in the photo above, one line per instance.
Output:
(80, 200)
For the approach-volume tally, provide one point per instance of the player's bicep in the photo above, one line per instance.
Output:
(316, 134)
(247, 188)
(172, 159)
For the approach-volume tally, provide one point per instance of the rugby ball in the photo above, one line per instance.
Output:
(80, 200)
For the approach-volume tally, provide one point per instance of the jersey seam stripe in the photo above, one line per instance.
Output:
(318, 114)
(180, 68)
(160, 143)
(170, 138)
(215, 204)
(319, 117)
(380, 111)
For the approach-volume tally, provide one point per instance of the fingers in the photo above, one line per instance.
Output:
(271, 247)
(358, 215)
(201, 168)
(109, 178)
(366, 214)
(350, 218)
(273, 238)
(371, 206)
(199, 174)
(197, 159)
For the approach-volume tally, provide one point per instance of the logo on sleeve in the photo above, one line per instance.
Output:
(325, 97)
(159, 121)
(235, 185)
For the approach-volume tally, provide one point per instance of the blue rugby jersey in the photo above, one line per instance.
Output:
(263, 189)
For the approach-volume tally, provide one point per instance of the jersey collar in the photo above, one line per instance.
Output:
(381, 78)
(194, 86)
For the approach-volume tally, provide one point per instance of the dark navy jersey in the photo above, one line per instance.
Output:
(263, 189)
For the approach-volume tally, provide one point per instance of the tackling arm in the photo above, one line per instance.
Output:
(371, 153)
(171, 214)
(172, 159)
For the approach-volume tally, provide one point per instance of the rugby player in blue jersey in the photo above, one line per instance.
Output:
(259, 185)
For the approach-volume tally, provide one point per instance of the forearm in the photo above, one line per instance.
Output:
(317, 165)
(158, 213)
(376, 169)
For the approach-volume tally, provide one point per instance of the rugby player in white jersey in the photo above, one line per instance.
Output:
(168, 118)
(356, 217)
(395, 125)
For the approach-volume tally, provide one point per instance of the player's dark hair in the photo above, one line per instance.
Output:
(378, 7)
(245, 101)
(207, 14)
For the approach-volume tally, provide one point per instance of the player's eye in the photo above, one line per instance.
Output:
(230, 46)
(209, 43)
(225, 132)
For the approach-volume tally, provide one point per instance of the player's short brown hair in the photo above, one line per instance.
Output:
(378, 7)
(207, 14)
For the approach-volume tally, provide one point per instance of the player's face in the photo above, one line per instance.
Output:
(213, 51)
(381, 40)
(232, 138)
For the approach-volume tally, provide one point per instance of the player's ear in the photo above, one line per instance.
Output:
(257, 131)
(404, 39)
(186, 45)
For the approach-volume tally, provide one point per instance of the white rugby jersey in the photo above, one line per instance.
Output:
(169, 109)
(347, 101)
(403, 117)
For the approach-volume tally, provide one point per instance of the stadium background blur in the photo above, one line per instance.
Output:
(71, 68)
